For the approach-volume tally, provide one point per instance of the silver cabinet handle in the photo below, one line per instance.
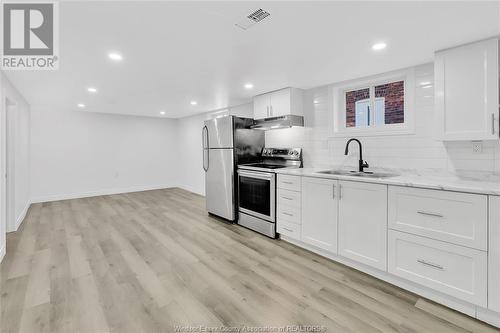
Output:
(290, 230)
(287, 214)
(429, 214)
(430, 264)
(493, 123)
(333, 191)
(286, 198)
(271, 110)
(286, 182)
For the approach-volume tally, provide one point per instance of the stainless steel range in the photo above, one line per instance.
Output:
(257, 188)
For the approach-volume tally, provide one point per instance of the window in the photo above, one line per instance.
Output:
(378, 106)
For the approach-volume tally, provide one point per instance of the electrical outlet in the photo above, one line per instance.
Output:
(477, 147)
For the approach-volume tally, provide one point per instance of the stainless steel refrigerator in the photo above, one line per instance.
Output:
(227, 142)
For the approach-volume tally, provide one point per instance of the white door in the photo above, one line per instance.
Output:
(466, 80)
(261, 106)
(281, 102)
(319, 213)
(363, 223)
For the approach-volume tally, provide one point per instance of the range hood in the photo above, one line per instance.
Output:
(278, 122)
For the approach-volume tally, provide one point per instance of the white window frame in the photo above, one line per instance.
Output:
(339, 105)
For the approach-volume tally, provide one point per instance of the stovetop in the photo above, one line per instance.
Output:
(276, 158)
(265, 166)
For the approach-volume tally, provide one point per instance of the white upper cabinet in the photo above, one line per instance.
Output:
(319, 213)
(466, 92)
(363, 223)
(261, 105)
(278, 103)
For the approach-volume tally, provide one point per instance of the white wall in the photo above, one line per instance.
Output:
(77, 154)
(191, 174)
(20, 137)
(418, 151)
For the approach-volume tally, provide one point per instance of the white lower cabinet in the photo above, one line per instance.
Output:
(443, 241)
(319, 213)
(494, 254)
(455, 270)
(458, 218)
(363, 223)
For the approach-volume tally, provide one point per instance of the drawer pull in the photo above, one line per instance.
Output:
(429, 214)
(288, 214)
(286, 198)
(426, 263)
(286, 182)
(289, 230)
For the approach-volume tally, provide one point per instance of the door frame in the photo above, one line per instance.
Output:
(10, 165)
(7, 195)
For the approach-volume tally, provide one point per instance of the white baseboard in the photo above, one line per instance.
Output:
(2, 253)
(21, 216)
(193, 190)
(491, 317)
(57, 197)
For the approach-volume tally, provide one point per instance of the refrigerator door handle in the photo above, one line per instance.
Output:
(205, 148)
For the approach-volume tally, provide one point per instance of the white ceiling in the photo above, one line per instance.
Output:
(175, 52)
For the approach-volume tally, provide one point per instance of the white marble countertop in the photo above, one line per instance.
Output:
(484, 184)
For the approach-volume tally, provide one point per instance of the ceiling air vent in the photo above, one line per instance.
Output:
(255, 17)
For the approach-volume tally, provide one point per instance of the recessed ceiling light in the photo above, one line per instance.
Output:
(427, 86)
(315, 101)
(424, 83)
(194, 102)
(91, 90)
(115, 56)
(162, 112)
(81, 105)
(248, 86)
(379, 46)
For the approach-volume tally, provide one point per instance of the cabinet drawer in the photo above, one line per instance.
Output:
(289, 229)
(454, 270)
(289, 198)
(288, 182)
(458, 218)
(289, 214)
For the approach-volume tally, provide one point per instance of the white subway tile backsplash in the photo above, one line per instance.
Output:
(418, 151)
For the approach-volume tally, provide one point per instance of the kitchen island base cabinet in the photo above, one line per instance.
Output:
(319, 213)
(363, 223)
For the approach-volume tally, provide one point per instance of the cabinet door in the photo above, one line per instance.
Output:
(494, 254)
(261, 106)
(281, 102)
(319, 213)
(363, 223)
(466, 94)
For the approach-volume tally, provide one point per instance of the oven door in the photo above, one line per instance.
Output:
(257, 194)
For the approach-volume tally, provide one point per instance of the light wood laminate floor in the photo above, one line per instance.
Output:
(147, 261)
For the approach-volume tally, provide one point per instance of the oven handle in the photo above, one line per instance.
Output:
(261, 175)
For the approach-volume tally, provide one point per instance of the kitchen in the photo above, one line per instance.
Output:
(329, 190)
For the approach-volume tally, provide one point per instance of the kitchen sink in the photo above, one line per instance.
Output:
(365, 174)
